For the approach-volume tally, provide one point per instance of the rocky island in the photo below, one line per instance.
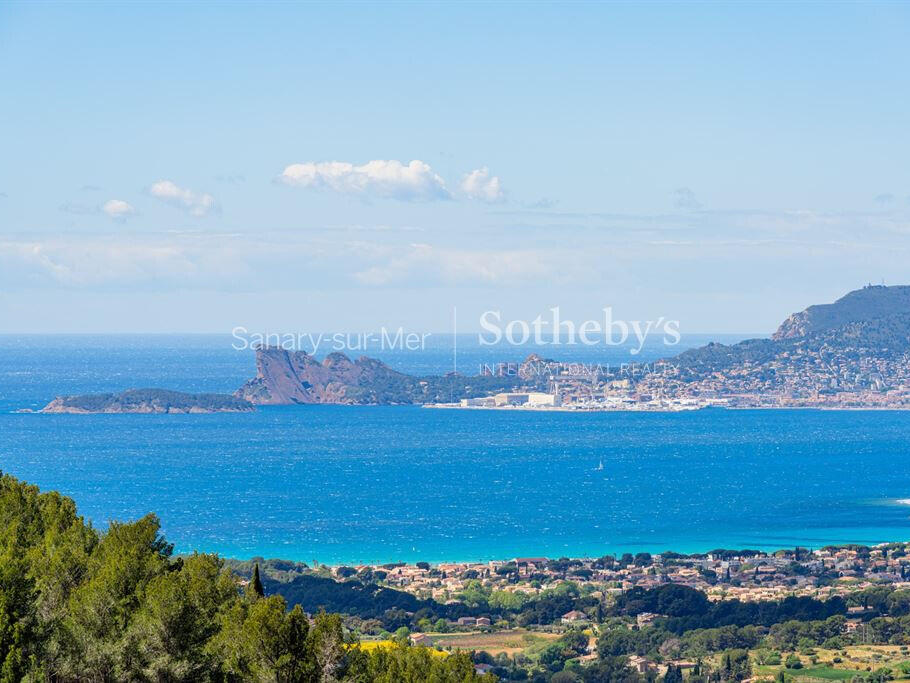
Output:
(148, 401)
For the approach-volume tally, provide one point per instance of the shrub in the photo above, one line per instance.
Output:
(793, 662)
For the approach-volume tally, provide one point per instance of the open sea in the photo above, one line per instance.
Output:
(362, 484)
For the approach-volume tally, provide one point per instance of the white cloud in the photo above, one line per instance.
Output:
(195, 203)
(391, 179)
(118, 209)
(479, 184)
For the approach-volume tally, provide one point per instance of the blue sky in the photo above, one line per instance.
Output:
(164, 167)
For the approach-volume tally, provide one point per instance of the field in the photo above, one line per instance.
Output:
(858, 660)
(826, 673)
(370, 645)
(510, 642)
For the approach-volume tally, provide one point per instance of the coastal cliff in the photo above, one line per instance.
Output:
(285, 377)
(148, 401)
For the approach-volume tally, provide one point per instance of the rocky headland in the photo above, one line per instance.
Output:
(285, 377)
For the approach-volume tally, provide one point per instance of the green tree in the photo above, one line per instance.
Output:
(608, 670)
(103, 606)
(262, 641)
(736, 665)
(326, 646)
(402, 664)
(178, 618)
(552, 657)
(616, 642)
(254, 587)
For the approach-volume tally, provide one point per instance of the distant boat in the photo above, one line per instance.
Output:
(599, 467)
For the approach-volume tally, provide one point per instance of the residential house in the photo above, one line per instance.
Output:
(574, 618)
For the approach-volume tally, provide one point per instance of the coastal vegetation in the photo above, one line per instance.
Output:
(78, 604)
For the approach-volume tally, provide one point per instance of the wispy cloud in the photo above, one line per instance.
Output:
(480, 185)
(415, 181)
(134, 262)
(167, 262)
(77, 209)
(195, 203)
(118, 209)
(361, 257)
(429, 264)
(542, 203)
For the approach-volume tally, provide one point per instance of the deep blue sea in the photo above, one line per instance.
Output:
(347, 484)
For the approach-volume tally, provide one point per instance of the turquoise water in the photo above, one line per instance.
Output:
(347, 484)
